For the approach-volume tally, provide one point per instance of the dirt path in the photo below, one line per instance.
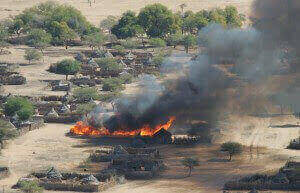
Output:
(40, 149)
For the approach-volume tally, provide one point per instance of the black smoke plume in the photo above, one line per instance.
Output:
(200, 87)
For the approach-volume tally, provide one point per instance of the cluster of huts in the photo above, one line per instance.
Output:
(131, 162)
(53, 179)
(287, 178)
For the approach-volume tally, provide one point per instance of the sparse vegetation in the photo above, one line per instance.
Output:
(109, 66)
(6, 130)
(232, 148)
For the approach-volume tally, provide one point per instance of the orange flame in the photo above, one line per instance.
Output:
(82, 129)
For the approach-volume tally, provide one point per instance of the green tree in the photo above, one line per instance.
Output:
(189, 22)
(217, 16)
(109, 66)
(62, 34)
(232, 148)
(233, 18)
(19, 106)
(190, 163)
(157, 60)
(127, 26)
(174, 39)
(85, 94)
(95, 40)
(189, 41)
(32, 55)
(39, 39)
(68, 67)
(156, 20)
(157, 42)
(108, 23)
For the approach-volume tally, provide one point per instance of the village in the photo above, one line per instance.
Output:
(156, 99)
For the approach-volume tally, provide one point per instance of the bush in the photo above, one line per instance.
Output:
(85, 94)
(157, 42)
(7, 131)
(232, 148)
(112, 84)
(30, 187)
(32, 55)
(19, 105)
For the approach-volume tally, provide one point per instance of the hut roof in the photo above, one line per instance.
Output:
(64, 109)
(52, 113)
(53, 173)
(90, 179)
(161, 133)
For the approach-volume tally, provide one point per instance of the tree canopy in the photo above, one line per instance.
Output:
(232, 148)
(32, 55)
(20, 106)
(62, 22)
(127, 26)
(157, 20)
(68, 67)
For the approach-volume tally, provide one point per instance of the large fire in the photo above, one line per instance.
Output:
(82, 129)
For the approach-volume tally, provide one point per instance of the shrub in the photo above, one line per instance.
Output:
(32, 55)
(174, 39)
(112, 84)
(157, 42)
(85, 94)
(19, 105)
(30, 187)
(232, 148)
(7, 131)
(68, 67)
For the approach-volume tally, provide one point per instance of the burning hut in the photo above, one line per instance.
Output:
(162, 137)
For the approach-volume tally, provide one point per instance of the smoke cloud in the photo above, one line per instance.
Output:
(201, 87)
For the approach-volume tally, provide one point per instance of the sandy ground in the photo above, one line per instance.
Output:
(49, 146)
(41, 149)
(102, 8)
(36, 74)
